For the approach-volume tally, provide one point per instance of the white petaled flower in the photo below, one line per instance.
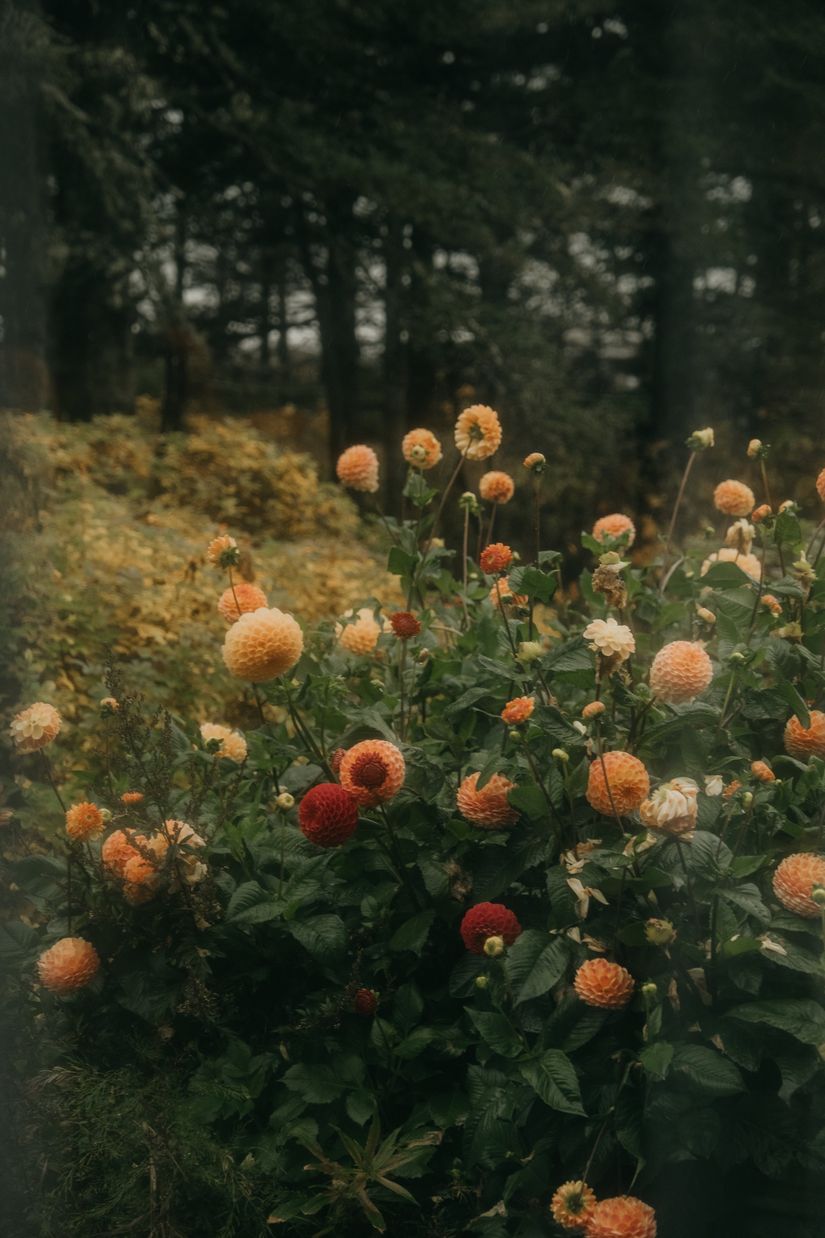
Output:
(740, 535)
(714, 784)
(700, 440)
(672, 807)
(610, 639)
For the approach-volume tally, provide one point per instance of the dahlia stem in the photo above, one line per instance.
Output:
(505, 620)
(234, 594)
(764, 473)
(678, 503)
(814, 536)
(464, 554)
(537, 536)
(50, 779)
(304, 732)
(689, 887)
(402, 661)
(265, 727)
(439, 510)
(759, 590)
(531, 760)
(492, 522)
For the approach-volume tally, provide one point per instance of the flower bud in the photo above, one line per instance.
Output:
(106, 814)
(791, 631)
(649, 991)
(560, 755)
(481, 982)
(530, 650)
(494, 947)
(535, 462)
(707, 616)
(747, 799)
(700, 440)
(109, 705)
(818, 896)
(469, 502)
(760, 513)
(803, 571)
(756, 449)
(593, 709)
(659, 932)
(514, 734)
(285, 801)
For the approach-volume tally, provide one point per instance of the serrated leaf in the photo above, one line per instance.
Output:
(707, 1070)
(545, 970)
(656, 1058)
(413, 933)
(497, 1031)
(798, 1016)
(553, 1078)
(323, 936)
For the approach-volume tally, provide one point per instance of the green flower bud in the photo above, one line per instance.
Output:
(481, 982)
(660, 932)
(494, 947)
(285, 801)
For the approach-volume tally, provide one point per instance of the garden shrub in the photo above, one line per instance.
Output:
(476, 930)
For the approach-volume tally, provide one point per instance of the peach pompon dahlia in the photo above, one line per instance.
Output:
(747, 563)
(262, 644)
(223, 551)
(614, 525)
(487, 920)
(627, 784)
(496, 487)
(593, 709)
(361, 635)
(572, 1204)
(69, 964)
(601, 983)
(84, 821)
(232, 743)
(134, 858)
(534, 462)
(421, 449)
(734, 498)
(820, 485)
(496, 558)
(372, 772)
(239, 599)
(803, 742)
(489, 807)
(501, 593)
(762, 772)
(357, 468)
(680, 671)
(794, 881)
(518, 710)
(672, 808)
(35, 727)
(478, 432)
(623, 1216)
(327, 815)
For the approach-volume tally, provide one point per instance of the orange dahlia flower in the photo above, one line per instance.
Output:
(357, 468)
(626, 786)
(421, 449)
(488, 807)
(496, 558)
(592, 710)
(360, 636)
(239, 599)
(496, 487)
(731, 789)
(131, 797)
(734, 498)
(372, 772)
(794, 881)
(762, 771)
(84, 821)
(534, 462)
(223, 551)
(820, 485)
(404, 624)
(35, 727)
(262, 644)
(672, 808)
(68, 965)
(771, 603)
(614, 525)
(599, 982)
(680, 671)
(135, 859)
(572, 1204)
(760, 513)
(747, 563)
(478, 432)
(232, 743)
(803, 742)
(623, 1216)
(502, 593)
(518, 710)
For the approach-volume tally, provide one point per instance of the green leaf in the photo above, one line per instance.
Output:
(400, 563)
(314, 1082)
(413, 933)
(707, 1070)
(553, 1078)
(538, 585)
(530, 801)
(497, 1031)
(799, 1017)
(789, 693)
(544, 968)
(323, 936)
(656, 1058)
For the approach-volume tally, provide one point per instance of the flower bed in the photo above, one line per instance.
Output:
(505, 919)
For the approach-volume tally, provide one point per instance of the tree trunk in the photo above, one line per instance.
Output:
(394, 365)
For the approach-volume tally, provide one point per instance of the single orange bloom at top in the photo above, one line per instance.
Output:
(734, 498)
(84, 821)
(478, 432)
(534, 462)
(820, 485)
(803, 742)
(601, 983)
(240, 598)
(372, 772)
(762, 771)
(623, 1216)
(496, 558)
(760, 513)
(489, 807)
(572, 1204)
(357, 468)
(496, 487)
(223, 551)
(518, 710)
(421, 449)
(614, 525)
(794, 881)
(680, 671)
(626, 787)
(69, 964)
(262, 644)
